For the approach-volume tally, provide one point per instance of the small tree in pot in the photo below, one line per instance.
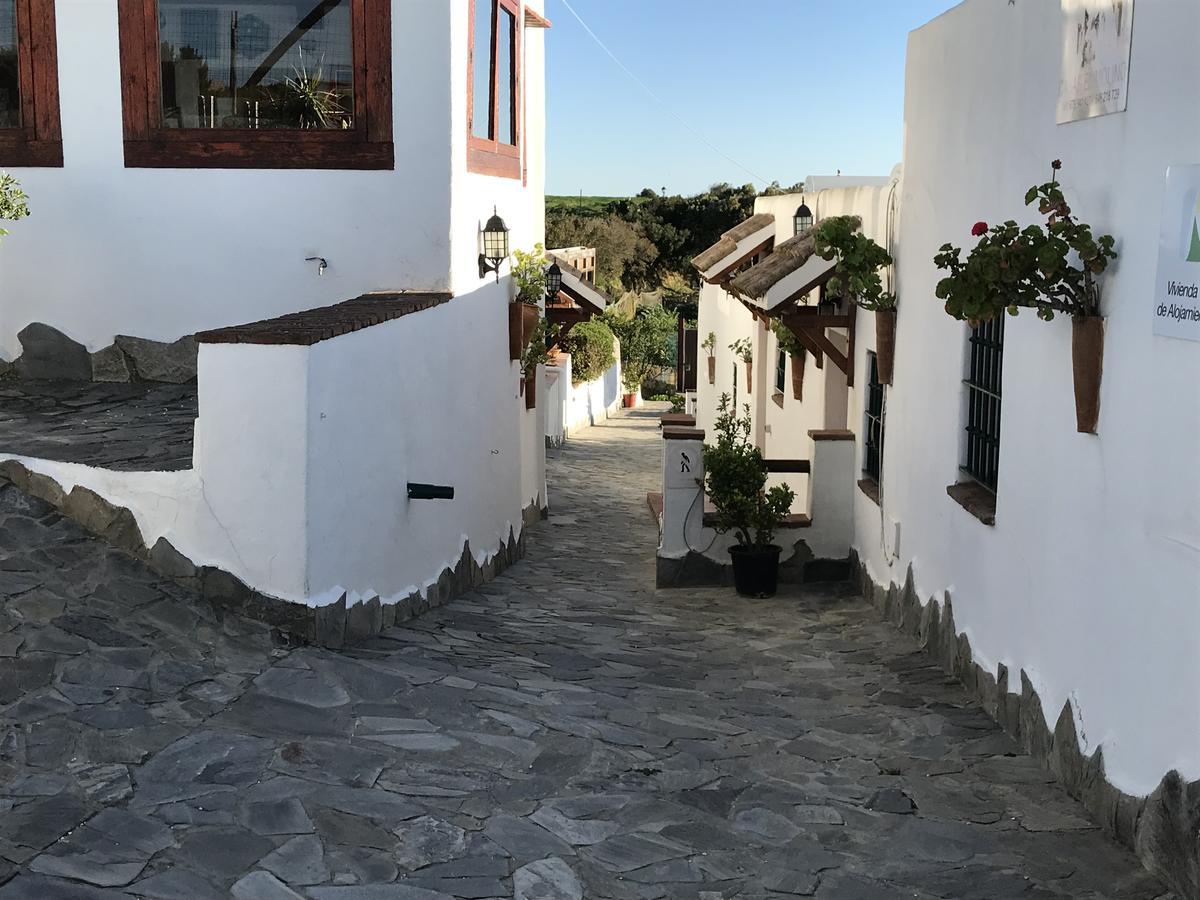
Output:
(710, 345)
(744, 350)
(790, 344)
(1033, 267)
(736, 482)
(856, 277)
(529, 276)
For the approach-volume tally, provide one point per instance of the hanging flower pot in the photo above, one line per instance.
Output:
(885, 343)
(749, 378)
(1087, 363)
(514, 330)
(712, 370)
(531, 390)
(798, 375)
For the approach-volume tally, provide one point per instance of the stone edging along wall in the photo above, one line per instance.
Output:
(47, 353)
(1163, 829)
(335, 626)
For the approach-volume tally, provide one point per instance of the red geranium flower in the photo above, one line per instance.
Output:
(979, 229)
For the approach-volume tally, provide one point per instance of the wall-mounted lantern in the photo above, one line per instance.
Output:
(803, 219)
(495, 246)
(553, 280)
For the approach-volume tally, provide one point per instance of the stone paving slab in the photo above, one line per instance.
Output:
(565, 732)
(128, 427)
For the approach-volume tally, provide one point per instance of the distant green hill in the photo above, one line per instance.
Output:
(590, 206)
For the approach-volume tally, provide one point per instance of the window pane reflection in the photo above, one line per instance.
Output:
(266, 64)
(506, 79)
(481, 112)
(10, 87)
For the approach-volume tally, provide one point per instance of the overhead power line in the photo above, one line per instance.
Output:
(657, 99)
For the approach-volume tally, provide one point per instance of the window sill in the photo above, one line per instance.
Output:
(303, 153)
(20, 153)
(778, 398)
(870, 487)
(975, 499)
(489, 162)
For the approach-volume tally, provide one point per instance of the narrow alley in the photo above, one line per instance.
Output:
(564, 732)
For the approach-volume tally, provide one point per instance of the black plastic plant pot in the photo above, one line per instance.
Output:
(755, 570)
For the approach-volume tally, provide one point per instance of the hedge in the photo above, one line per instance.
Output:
(591, 345)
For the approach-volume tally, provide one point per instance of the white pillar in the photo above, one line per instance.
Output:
(683, 500)
(831, 493)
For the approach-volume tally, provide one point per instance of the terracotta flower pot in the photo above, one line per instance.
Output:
(798, 375)
(1087, 364)
(712, 370)
(885, 343)
(749, 378)
(530, 385)
(629, 399)
(522, 320)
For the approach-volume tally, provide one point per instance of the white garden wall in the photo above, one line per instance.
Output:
(1090, 578)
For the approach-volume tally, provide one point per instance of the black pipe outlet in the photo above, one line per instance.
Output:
(429, 491)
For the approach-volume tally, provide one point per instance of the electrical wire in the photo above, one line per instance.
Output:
(645, 87)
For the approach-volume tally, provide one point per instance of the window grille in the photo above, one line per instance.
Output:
(983, 402)
(873, 426)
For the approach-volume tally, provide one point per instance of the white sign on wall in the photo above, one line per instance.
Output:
(1095, 58)
(1177, 291)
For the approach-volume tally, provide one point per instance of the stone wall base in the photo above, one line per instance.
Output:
(1163, 829)
(698, 570)
(335, 626)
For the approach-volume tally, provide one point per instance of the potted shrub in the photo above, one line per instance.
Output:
(1050, 270)
(13, 201)
(790, 344)
(856, 277)
(735, 481)
(529, 276)
(744, 351)
(536, 353)
(710, 345)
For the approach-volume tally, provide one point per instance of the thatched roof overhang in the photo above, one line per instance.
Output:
(737, 246)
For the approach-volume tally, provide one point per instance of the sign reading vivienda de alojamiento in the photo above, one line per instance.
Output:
(1177, 291)
(1095, 58)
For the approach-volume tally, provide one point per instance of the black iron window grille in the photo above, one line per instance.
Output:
(873, 424)
(780, 371)
(983, 402)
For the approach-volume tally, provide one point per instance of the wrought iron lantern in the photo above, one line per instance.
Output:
(803, 219)
(495, 246)
(553, 280)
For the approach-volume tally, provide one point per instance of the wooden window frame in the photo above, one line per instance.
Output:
(487, 156)
(38, 141)
(148, 144)
(874, 425)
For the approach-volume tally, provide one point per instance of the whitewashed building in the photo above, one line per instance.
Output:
(192, 167)
(1060, 577)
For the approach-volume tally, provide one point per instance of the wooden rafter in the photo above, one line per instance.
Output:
(808, 324)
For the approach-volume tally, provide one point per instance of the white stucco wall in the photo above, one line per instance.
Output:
(303, 455)
(1090, 578)
(163, 252)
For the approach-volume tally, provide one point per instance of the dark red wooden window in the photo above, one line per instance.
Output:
(30, 133)
(270, 86)
(494, 104)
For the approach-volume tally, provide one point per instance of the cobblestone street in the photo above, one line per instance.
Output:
(565, 732)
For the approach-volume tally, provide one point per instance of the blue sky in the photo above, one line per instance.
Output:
(785, 88)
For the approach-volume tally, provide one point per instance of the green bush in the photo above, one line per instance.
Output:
(592, 348)
(12, 200)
